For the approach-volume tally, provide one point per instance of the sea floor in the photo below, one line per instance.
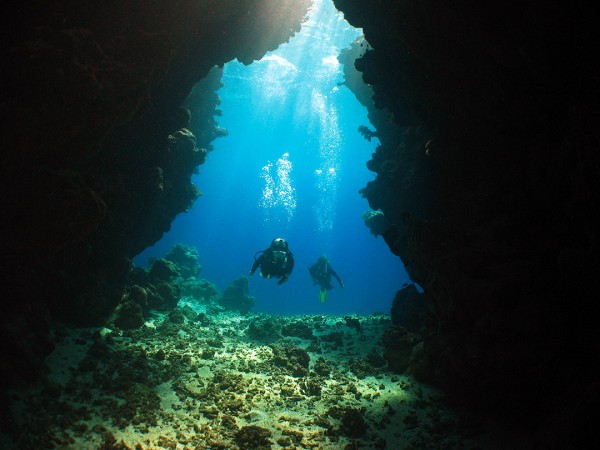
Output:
(220, 380)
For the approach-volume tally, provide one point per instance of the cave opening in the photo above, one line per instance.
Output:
(487, 173)
(291, 166)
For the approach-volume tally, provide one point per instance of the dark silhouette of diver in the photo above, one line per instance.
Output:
(321, 273)
(275, 262)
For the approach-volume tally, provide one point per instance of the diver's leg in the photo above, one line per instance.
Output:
(323, 295)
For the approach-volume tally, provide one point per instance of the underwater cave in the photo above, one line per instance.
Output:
(444, 159)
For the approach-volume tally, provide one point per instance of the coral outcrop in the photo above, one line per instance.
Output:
(186, 259)
(237, 296)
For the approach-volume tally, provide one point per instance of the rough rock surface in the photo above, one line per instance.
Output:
(409, 309)
(399, 344)
(501, 102)
(205, 386)
(98, 146)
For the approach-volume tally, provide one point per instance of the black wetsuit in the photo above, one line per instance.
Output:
(321, 273)
(274, 263)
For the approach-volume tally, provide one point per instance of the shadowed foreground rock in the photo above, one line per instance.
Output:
(99, 147)
(501, 104)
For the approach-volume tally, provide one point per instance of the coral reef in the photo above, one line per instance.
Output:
(176, 316)
(298, 329)
(253, 436)
(186, 259)
(160, 283)
(264, 329)
(201, 289)
(294, 360)
(163, 270)
(189, 385)
(160, 287)
(237, 296)
(353, 322)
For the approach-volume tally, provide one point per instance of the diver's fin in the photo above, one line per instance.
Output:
(323, 295)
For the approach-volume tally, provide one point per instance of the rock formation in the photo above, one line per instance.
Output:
(237, 296)
(487, 175)
(99, 146)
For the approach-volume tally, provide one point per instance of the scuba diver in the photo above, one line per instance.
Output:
(321, 273)
(275, 262)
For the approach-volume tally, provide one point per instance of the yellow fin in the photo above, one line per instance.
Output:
(323, 296)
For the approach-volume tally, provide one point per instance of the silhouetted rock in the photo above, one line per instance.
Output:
(375, 222)
(163, 270)
(353, 423)
(128, 315)
(237, 296)
(99, 144)
(409, 309)
(486, 173)
(487, 176)
(398, 345)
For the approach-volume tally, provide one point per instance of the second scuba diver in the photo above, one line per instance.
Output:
(321, 273)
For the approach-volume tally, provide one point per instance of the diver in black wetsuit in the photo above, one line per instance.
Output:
(321, 273)
(277, 261)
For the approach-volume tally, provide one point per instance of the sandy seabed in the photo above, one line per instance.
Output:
(220, 380)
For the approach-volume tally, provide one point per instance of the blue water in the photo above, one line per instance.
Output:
(291, 167)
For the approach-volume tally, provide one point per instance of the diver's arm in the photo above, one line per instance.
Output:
(289, 268)
(257, 262)
(337, 277)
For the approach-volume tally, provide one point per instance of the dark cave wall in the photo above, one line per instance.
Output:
(502, 103)
(97, 149)
(407, 178)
